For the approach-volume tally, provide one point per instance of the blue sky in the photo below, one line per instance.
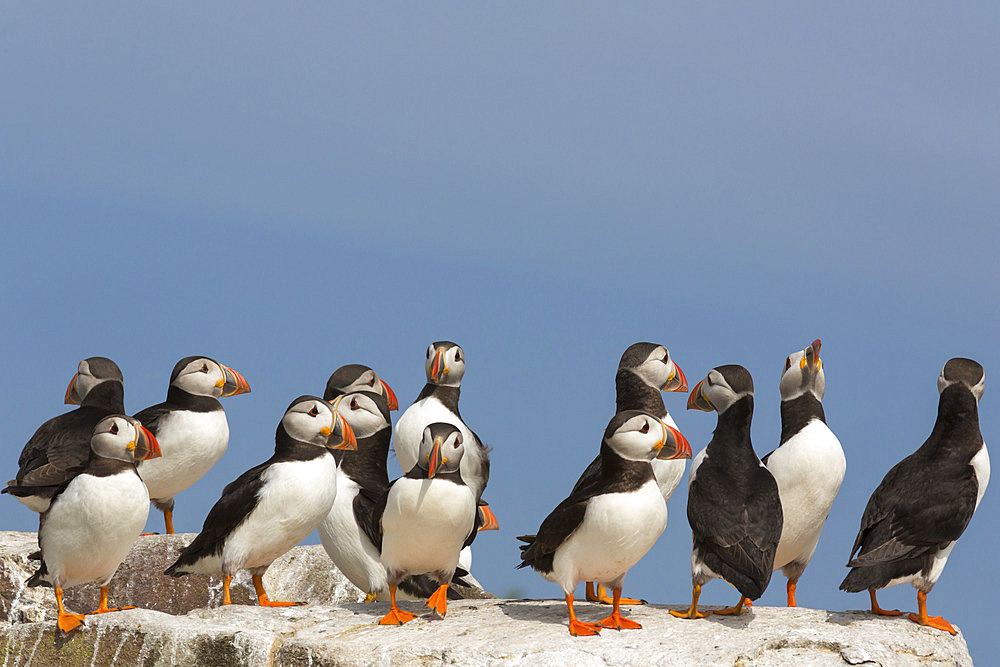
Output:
(289, 190)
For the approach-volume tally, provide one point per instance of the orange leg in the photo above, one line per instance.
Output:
(66, 620)
(226, 581)
(102, 608)
(262, 599)
(616, 621)
(579, 628)
(878, 611)
(396, 616)
(790, 590)
(168, 520)
(438, 601)
(922, 618)
(693, 611)
(733, 611)
(603, 598)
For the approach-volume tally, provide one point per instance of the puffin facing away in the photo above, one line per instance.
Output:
(808, 465)
(644, 371)
(275, 505)
(733, 503)
(925, 502)
(60, 448)
(610, 521)
(191, 428)
(425, 518)
(357, 377)
(95, 517)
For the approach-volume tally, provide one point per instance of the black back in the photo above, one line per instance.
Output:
(924, 502)
(733, 506)
(239, 499)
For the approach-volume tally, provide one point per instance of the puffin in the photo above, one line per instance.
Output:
(925, 502)
(438, 402)
(273, 506)
(425, 518)
(60, 447)
(607, 524)
(191, 428)
(645, 370)
(808, 465)
(733, 503)
(358, 377)
(95, 515)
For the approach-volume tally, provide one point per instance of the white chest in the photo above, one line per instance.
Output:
(411, 425)
(191, 443)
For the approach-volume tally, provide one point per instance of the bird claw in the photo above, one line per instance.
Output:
(581, 629)
(396, 617)
(619, 622)
(69, 622)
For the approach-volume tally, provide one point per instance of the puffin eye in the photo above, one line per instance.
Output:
(371, 383)
(354, 404)
(114, 429)
(645, 428)
(204, 368)
(458, 355)
(788, 363)
(314, 411)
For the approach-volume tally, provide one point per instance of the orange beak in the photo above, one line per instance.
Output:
(488, 520)
(72, 398)
(350, 441)
(235, 383)
(678, 382)
(150, 447)
(697, 401)
(432, 463)
(682, 448)
(390, 396)
(437, 366)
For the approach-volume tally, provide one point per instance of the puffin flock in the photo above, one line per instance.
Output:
(92, 472)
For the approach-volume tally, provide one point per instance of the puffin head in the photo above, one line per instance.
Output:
(204, 376)
(445, 364)
(123, 438)
(366, 411)
(357, 377)
(723, 386)
(639, 436)
(965, 372)
(312, 420)
(652, 363)
(441, 449)
(89, 373)
(803, 373)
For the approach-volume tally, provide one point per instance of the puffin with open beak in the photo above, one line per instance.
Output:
(60, 448)
(191, 427)
(273, 506)
(622, 507)
(425, 518)
(925, 502)
(733, 504)
(808, 465)
(96, 515)
(644, 371)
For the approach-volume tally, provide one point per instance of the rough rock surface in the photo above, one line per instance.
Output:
(334, 629)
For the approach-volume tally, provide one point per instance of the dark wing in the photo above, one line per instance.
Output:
(238, 500)
(59, 449)
(592, 472)
(736, 526)
(919, 507)
(150, 417)
(373, 528)
(484, 458)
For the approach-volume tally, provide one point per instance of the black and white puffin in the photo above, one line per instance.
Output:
(191, 428)
(438, 402)
(273, 506)
(425, 519)
(96, 514)
(609, 522)
(808, 465)
(733, 503)
(644, 371)
(60, 447)
(925, 502)
(358, 377)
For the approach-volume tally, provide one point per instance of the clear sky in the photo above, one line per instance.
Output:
(289, 188)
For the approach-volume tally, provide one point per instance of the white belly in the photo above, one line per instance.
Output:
(410, 428)
(425, 524)
(295, 498)
(981, 465)
(191, 443)
(347, 544)
(616, 532)
(92, 525)
(808, 469)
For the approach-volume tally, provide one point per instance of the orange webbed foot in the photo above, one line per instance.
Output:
(690, 613)
(581, 629)
(107, 610)
(734, 610)
(278, 603)
(396, 616)
(68, 622)
(887, 612)
(603, 597)
(438, 601)
(618, 622)
(936, 622)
